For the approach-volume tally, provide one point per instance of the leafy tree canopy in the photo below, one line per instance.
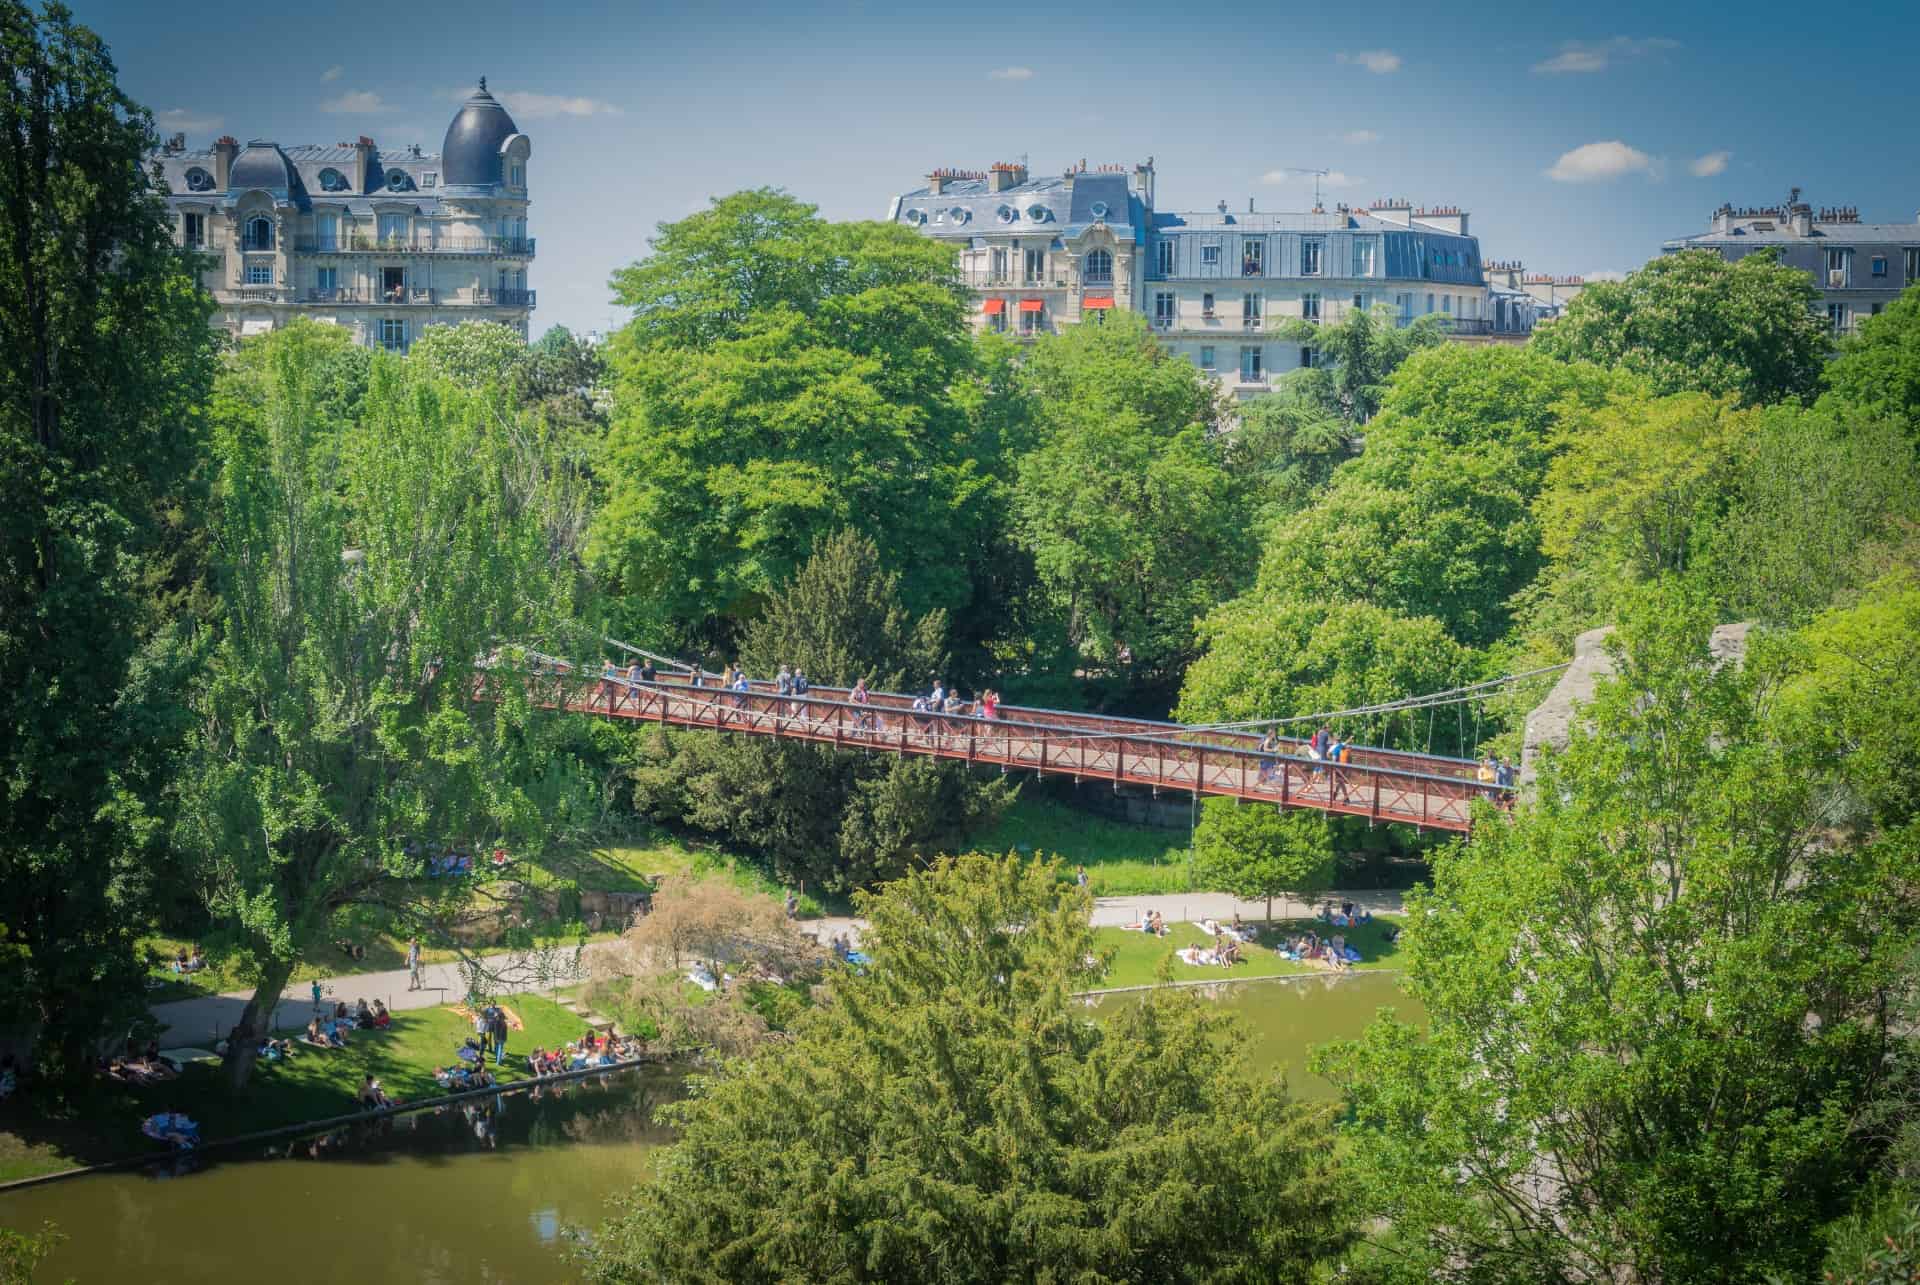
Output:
(1692, 322)
(476, 355)
(952, 1113)
(1357, 356)
(1257, 852)
(1656, 1001)
(1878, 366)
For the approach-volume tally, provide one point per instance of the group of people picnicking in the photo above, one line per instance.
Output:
(137, 1065)
(1228, 941)
(331, 1029)
(591, 1050)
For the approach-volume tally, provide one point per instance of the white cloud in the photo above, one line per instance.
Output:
(1594, 162)
(1359, 137)
(531, 106)
(179, 118)
(1010, 73)
(1331, 180)
(359, 102)
(1380, 62)
(332, 74)
(1577, 56)
(1709, 165)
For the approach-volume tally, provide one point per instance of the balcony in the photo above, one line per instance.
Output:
(1253, 268)
(1098, 278)
(259, 294)
(504, 247)
(257, 245)
(498, 299)
(1476, 326)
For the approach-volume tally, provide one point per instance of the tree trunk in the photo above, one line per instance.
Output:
(243, 1046)
(1269, 907)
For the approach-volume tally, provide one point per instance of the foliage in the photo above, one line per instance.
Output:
(338, 747)
(1128, 564)
(1358, 354)
(1289, 657)
(952, 1114)
(708, 920)
(109, 361)
(1260, 853)
(1877, 368)
(1692, 322)
(1288, 445)
(1655, 1000)
(477, 355)
(784, 378)
(22, 1252)
(1880, 1248)
(819, 816)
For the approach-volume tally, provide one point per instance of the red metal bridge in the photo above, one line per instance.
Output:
(1424, 790)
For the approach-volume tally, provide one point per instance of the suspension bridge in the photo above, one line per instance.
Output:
(1425, 790)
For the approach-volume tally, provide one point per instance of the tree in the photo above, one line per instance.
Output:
(476, 355)
(109, 360)
(339, 747)
(1878, 366)
(830, 818)
(1289, 445)
(784, 378)
(1656, 1000)
(1257, 852)
(1692, 322)
(1130, 562)
(952, 1114)
(1358, 355)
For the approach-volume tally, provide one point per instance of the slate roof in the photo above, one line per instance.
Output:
(966, 207)
(1856, 232)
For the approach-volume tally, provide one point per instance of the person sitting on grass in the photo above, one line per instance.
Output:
(362, 1015)
(314, 1034)
(337, 1033)
(382, 1019)
(372, 1096)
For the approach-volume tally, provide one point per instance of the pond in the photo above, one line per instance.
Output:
(429, 1201)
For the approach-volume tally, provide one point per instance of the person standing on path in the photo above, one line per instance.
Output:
(413, 963)
(499, 1035)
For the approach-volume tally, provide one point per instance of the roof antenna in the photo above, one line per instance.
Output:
(1317, 176)
(483, 84)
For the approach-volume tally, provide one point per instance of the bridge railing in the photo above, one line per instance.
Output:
(1105, 750)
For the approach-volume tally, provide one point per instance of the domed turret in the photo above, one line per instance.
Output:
(265, 167)
(470, 156)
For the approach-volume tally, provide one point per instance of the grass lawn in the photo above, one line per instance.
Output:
(1121, 859)
(1137, 956)
(38, 1138)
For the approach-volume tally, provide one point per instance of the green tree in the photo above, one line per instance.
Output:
(953, 1115)
(1656, 1001)
(109, 360)
(1692, 322)
(475, 354)
(363, 570)
(1287, 445)
(1257, 852)
(1878, 366)
(1358, 354)
(1129, 562)
(784, 378)
(832, 819)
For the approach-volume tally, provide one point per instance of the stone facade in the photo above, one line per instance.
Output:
(381, 242)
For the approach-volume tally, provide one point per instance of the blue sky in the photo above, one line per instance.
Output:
(1578, 135)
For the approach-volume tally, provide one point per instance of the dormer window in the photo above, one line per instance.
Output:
(1098, 209)
(1038, 213)
(399, 181)
(429, 178)
(198, 180)
(960, 214)
(258, 234)
(517, 175)
(1007, 214)
(332, 180)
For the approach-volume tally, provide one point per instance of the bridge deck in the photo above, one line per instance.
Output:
(1381, 785)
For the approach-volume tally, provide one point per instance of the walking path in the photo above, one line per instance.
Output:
(202, 1020)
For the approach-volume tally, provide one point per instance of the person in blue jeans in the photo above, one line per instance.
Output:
(499, 1037)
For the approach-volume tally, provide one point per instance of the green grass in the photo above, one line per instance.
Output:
(37, 1137)
(1121, 859)
(1137, 956)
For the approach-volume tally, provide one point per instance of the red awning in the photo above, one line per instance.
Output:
(1033, 305)
(993, 306)
(1097, 301)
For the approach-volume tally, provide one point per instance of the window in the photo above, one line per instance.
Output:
(326, 231)
(1403, 304)
(1309, 357)
(1876, 308)
(393, 229)
(1913, 264)
(393, 285)
(517, 174)
(1206, 304)
(332, 180)
(997, 321)
(198, 180)
(193, 231)
(1360, 301)
(1036, 266)
(1163, 258)
(259, 234)
(1837, 261)
(1250, 366)
(399, 181)
(1209, 256)
(326, 280)
(1163, 308)
(1032, 321)
(1446, 304)
(259, 274)
(1429, 301)
(1363, 256)
(1206, 357)
(1310, 305)
(1879, 265)
(1250, 307)
(393, 334)
(1837, 317)
(1099, 266)
(1253, 258)
(429, 178)
(1311, 252)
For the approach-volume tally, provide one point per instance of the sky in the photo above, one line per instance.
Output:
(1578, 136)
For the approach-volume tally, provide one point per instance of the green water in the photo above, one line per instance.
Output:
(434, 1203)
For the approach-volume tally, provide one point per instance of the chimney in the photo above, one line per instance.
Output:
(225, 148)
(1800, 219)
(1004, 175)
(367, 159)
(1392, 210)
(936, 182)
(1143, 182)
(1249, 205)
